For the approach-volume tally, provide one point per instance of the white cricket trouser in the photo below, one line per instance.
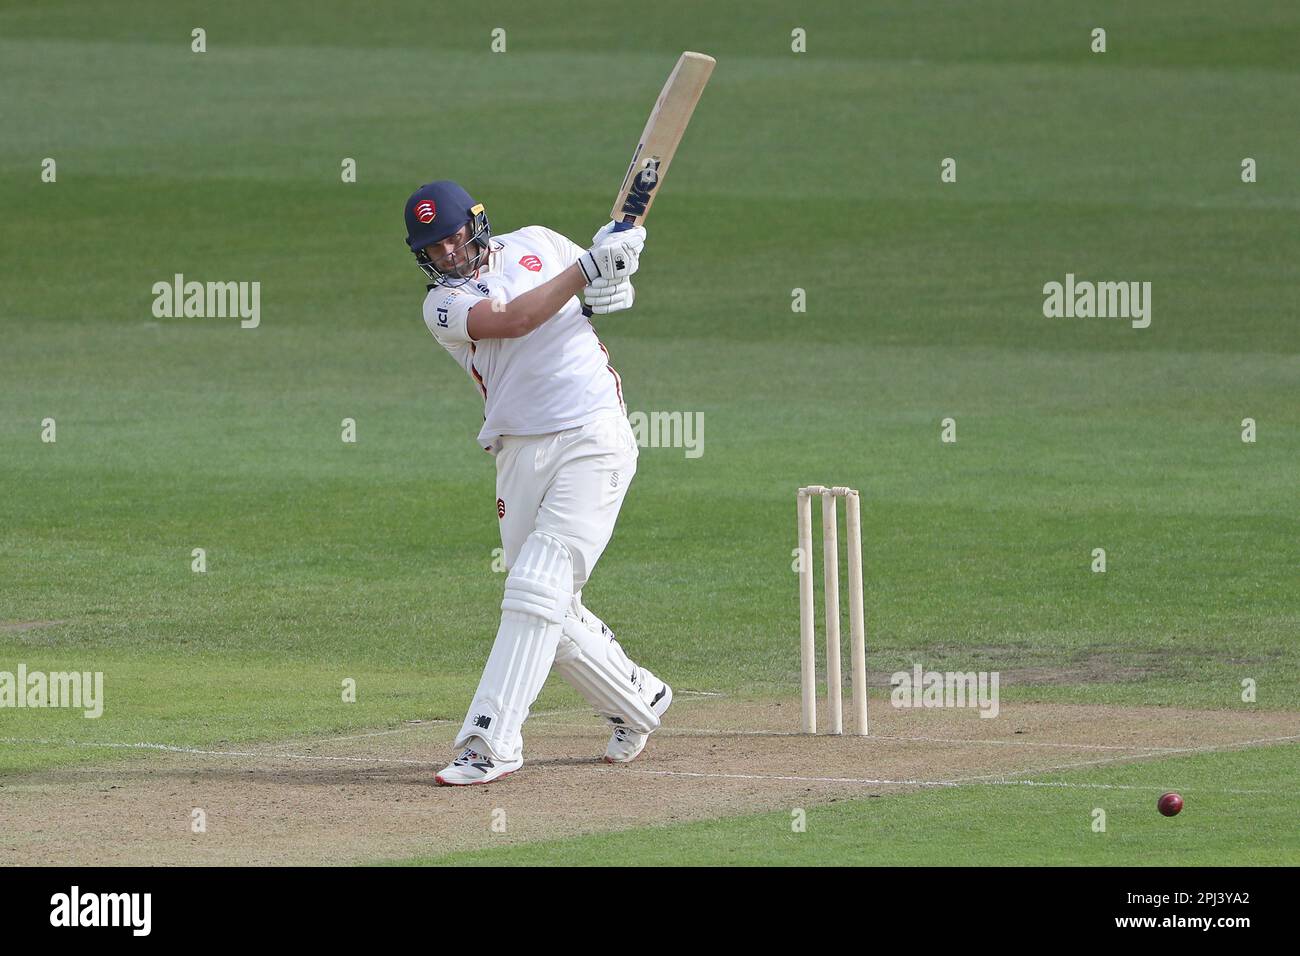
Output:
(569, 484)
(563, 490)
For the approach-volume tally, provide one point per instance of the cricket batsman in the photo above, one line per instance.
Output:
(507, 310)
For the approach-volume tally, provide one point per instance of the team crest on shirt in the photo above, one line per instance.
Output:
(482, 287)
(531, 263)
(426, 211)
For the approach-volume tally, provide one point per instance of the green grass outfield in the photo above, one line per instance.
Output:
(818, 171)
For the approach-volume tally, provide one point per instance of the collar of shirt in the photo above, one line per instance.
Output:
(494, 262)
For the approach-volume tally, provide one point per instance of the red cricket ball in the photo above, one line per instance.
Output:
(1169, 804)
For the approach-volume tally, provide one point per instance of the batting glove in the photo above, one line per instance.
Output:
(609, 295)
(616, 255)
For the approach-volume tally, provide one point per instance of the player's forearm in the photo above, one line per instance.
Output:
(538, 305)
(526, 312)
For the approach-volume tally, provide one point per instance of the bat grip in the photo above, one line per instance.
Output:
(623, 226)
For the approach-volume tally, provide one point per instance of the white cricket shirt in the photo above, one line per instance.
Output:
(557, 376)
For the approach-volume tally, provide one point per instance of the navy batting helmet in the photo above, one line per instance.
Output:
(438, 210)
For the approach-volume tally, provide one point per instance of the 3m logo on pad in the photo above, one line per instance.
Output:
(531, 263)
(425, 210)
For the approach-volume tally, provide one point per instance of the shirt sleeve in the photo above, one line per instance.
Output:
(446, 313)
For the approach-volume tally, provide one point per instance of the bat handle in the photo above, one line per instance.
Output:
(623, 226)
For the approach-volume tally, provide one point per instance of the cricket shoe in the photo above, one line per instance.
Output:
(472, 767)
(624, 744)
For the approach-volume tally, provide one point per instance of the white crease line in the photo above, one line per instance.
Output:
(193, 751)
(1109, 786)
(916, 783)
(383, 733)
(1209, 748)
(786, 777)
(1019, 743)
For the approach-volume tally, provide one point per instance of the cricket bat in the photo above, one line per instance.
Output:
(659, 140)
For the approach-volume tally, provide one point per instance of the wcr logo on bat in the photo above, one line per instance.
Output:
(638, 195)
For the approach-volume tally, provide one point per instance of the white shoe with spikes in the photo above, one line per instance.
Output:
(624, 744)
(473, 767)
